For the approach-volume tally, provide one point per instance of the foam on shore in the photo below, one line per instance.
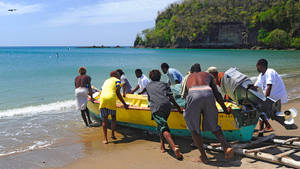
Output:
(57, 107)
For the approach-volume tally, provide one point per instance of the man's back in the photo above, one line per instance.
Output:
(199, 79)
(278, 90)
(82, 81)
(158, 93)
(174, 76)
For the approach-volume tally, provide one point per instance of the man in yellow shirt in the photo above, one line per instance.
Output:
(110, 92)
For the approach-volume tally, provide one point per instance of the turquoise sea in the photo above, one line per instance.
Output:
(37, 83)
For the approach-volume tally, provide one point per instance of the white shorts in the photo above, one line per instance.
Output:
(81, 95)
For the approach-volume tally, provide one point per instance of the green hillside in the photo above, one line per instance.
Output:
(225, 24)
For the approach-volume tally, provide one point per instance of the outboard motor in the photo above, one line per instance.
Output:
(240, 88)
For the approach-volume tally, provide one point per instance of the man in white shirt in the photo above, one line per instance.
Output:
(272, 85)
(143, 81)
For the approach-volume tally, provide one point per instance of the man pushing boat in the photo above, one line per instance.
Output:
(202, 92)
(160, 96)
(110, 92)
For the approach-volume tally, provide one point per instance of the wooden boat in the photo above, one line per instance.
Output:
(239, 125)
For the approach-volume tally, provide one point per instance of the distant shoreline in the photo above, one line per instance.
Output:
(102, 46)
(252, 48)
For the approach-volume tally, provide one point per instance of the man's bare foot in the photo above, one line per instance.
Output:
(163, 150)
(201, 159)
(113, 137)
(229, 153)
(268, 129)
(178, 154)
(105, 142)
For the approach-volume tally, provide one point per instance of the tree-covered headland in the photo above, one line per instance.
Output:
(225, 24)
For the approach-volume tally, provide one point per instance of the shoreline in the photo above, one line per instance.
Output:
(254, 48)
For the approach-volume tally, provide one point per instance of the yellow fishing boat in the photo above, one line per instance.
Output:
(239, 125)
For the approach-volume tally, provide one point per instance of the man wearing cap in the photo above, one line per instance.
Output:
(218, 78)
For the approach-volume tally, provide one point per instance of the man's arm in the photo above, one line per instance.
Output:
(172, 100)
(121, 98)
(134, 90)
(90, 91)
(124, 91)
(218, 96)
(143, 91)
(268, 90)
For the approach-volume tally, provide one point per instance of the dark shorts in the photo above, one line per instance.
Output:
(105, 112)
(201, 102)
(161, 119)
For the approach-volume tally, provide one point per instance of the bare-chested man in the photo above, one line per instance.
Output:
(202, 92)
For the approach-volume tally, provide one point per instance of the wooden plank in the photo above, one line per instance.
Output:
(271, 158)
(279, 141)
(291, 140)
(219, 144)
(286, 153)
(260, 149)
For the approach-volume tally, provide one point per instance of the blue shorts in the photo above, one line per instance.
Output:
(105, 112)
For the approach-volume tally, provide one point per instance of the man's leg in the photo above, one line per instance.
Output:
(169, 139)
(162, 143)
(113, 126)
(88, 115)
(84, 117)
(197, 138)
(265, 121)
(104, 127)
(229, 152)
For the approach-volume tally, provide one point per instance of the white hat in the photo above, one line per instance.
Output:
(212, 70)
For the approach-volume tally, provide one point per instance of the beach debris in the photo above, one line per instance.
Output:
(261, 153)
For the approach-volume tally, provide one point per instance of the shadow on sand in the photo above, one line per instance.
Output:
(217, 158)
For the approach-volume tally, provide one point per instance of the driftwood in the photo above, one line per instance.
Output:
(257, 154)
(271, 158)
(292, 141)
(260, 149)
(219, 144)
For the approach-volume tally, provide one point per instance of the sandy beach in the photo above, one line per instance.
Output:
(133, 149)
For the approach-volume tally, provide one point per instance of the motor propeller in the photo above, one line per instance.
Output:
(289, 115)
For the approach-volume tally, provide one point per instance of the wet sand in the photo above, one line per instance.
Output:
(134, 149)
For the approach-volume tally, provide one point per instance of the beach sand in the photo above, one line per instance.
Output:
(134, 149)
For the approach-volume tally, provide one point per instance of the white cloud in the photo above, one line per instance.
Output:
(20, 8)
(108, 11)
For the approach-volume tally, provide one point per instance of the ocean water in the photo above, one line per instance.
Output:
(37, 83)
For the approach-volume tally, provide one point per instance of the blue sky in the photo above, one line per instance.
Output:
(76, 22)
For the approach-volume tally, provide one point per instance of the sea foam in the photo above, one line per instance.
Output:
(36, 145)
(39, 109)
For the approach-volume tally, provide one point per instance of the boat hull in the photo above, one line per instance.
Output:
(140, 117)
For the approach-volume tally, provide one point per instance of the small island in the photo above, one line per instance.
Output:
(102, 46)
(250, 24)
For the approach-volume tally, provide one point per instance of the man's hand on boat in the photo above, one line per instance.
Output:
(92, 99)
(227, 110)
(126, 106)
(180, 110)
